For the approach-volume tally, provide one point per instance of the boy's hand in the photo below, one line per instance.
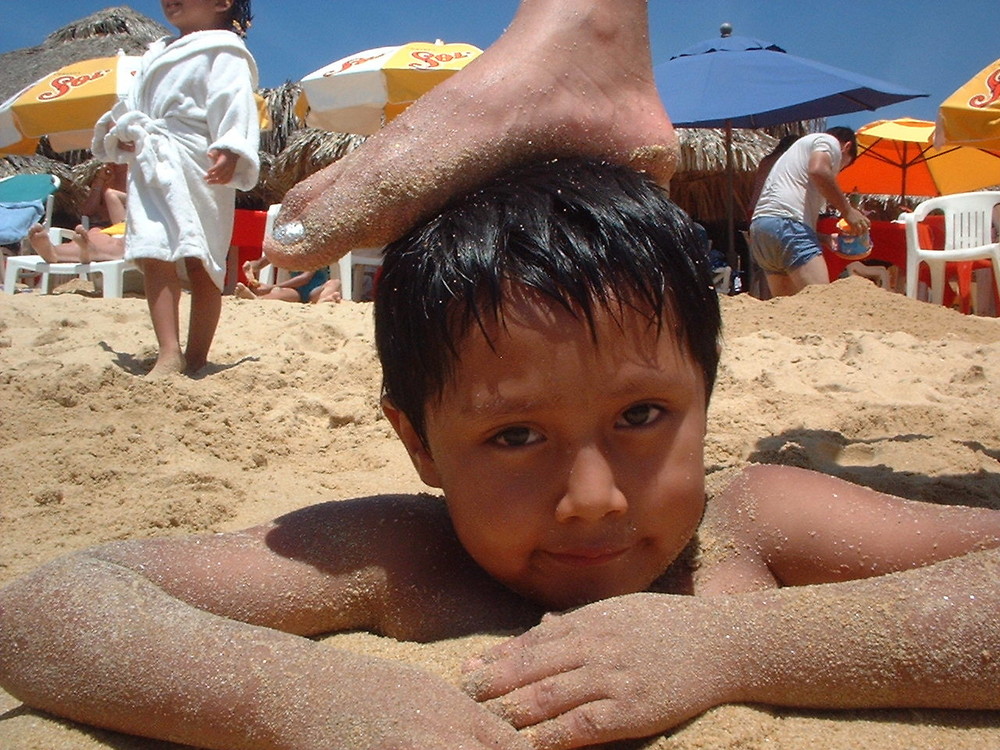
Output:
(223, 166)
(413, 710)
(627, 667)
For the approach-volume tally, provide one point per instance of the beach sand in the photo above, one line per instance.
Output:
(849, 379)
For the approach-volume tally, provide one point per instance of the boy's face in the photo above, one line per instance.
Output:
(572, 470)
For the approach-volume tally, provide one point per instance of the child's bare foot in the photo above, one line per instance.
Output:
(38, 238)
(331, 291)
(82, 240)
(243, 291)
(567, 78)
(167, 365)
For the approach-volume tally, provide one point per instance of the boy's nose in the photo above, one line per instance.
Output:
(591, 490)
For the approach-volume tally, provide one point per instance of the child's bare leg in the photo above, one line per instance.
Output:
(242, 291)
(331, 291)
(163, 296)
(567, 78)
(206, 307)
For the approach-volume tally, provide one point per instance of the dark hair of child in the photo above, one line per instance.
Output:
(241, 16)
(582, 233)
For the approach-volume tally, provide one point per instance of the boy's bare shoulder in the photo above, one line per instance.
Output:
(791, 526)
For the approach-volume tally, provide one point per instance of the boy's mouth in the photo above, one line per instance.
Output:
(586, 557)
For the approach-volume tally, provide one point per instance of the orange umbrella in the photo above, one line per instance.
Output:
(897, 157)
(65, 104)
(971, 116)
(360, 93)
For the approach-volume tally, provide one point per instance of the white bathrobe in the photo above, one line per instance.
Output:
(191, 95)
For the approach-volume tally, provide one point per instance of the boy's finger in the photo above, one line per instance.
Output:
(577, 728)
(547, 699)
(520, 669)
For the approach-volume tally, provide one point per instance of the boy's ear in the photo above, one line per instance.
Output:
(421, 457)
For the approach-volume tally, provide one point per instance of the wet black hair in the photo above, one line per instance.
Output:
(241, 16)
(585, 234)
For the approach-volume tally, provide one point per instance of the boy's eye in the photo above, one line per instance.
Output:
(639, 415)
(516, 437)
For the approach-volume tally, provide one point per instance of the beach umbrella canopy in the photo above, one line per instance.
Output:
(743, 82)
(971, 116)
(898, 157)
(65, 104)
(360, 93)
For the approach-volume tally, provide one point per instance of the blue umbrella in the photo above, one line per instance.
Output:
(742, 82)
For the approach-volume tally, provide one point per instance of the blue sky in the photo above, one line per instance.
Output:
(932, 47)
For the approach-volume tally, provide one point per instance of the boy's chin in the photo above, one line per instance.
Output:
(567, 596)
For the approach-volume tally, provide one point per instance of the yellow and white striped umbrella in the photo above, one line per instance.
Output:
(65, 104)
(971, 116)
(360, 93)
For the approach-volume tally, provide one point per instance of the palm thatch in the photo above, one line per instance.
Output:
(307, 152)
(98, 35)
(701, 185)
(281, 102)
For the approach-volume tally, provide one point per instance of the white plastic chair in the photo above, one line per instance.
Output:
(112, 272)
(877, 274)
(350, 268)
(968, 235)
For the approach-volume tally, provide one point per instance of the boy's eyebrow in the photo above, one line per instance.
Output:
(495, 404)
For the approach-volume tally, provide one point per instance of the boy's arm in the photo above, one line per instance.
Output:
(641, 664)
(783, 526)
(180, 638)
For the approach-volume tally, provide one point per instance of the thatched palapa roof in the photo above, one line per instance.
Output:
(101, 34)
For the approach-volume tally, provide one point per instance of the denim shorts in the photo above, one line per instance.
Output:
(779, 244)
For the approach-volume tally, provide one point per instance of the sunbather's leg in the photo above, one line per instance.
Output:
(567, 78)
(98, 246)
(38, 238)
(82, 242)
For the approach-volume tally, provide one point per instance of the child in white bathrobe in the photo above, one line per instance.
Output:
(189, 131)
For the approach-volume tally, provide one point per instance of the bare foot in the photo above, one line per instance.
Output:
(38, 237)
(243, 291)
(567, 78)
(331, 291)
(167, 365)
(82, 240)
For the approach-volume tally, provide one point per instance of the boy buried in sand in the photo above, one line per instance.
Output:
(549, 346)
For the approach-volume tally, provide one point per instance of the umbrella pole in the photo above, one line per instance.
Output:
(731, 255)
(730, 193)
